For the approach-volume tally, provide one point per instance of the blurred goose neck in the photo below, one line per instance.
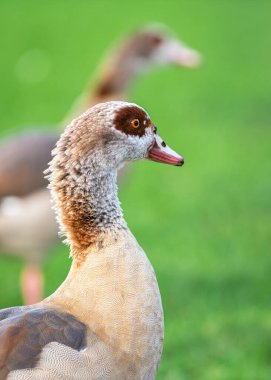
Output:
(115, 82)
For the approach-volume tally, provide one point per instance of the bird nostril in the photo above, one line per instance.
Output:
(163, 144)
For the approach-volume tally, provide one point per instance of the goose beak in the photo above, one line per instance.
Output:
(160, 152)
(182, 55)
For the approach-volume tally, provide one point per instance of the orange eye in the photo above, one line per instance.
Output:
(135, 123)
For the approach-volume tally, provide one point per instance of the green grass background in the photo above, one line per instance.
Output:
(205, 227)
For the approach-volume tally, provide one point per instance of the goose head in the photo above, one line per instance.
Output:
(154, 45)
(148, 47)
(112, 133)
(83, 171)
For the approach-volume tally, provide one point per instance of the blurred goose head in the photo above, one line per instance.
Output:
(155, 45)
(146, 48)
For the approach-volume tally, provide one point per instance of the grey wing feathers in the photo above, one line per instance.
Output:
(24, 331)
(22, 162)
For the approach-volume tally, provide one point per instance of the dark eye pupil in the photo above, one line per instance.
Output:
(135, 123)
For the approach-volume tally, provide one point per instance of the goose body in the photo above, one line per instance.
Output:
(29, 154)
(111, 315)
(22, 161)
(106, 320)
(20, 236)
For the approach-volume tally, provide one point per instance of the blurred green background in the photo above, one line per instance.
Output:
(205, 227)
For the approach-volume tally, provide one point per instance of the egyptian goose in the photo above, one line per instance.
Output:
(106, 320)
(23, 158)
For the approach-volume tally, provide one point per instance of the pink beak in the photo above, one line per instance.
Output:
(160, 152)
(182, 55)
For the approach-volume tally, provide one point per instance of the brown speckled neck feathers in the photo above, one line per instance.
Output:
(84, 188)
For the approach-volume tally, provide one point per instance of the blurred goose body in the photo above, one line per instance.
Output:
(17, 227)
(23, 158)
(106, 320)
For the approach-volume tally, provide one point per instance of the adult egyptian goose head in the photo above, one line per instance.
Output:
(91, 150)
(154, 44)
(106, 320)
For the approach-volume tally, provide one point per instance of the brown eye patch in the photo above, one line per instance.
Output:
(156, 40)
(145, 44)
(132, 120)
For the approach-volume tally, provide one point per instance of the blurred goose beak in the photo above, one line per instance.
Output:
(160, 152)
(182, 55)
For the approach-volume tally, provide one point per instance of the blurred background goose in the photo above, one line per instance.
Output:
(27, 224)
